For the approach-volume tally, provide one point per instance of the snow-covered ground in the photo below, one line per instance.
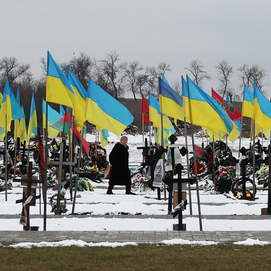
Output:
(98, 202)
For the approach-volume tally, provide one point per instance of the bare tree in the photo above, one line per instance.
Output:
(142, 81)
(176, 85)
(225, 71)
(43, 67)
(248, 74)
(163, 68)
(132, 72)
(153, 73)
(113, 74)
(11, 68)
(82, 67)
(197, 71)
(233, 96)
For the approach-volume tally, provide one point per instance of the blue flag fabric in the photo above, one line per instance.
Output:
(105, 111)
(170, 101)
(262, 109)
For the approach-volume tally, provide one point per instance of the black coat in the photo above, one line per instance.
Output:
(119, 159)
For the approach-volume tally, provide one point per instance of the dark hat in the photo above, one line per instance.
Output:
(172, 139)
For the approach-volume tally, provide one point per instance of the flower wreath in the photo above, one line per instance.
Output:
(202, 168)
(62, 206)
(262, 175)
(237, 189)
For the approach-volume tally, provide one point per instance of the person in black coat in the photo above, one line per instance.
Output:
(119, 159)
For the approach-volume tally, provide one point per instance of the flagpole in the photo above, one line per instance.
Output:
(45, 168)
(6, 160)
(202, 141)
(187, 163)
(195, 160)
(15, 154)
(254, 162)
(150, 136)
(162, 144)
(262, 144)
(28, 152)
(77, 174)
(240, 137)
(70, 151)
(214, 161)
(142, 119)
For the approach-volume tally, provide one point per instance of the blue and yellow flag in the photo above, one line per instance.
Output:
(58, 88)
(59, 91)
(78, 89)
(186, 107)
(32, 125)
(166, 134)
(206, 112)
(17, 131)
(104, 137)
(10, 109)
(106, 112)
(23, 131)
(262, 109)
(170, 101)
(53, 116)
(155, 114)
(247, 106)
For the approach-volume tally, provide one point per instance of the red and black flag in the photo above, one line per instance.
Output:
(233, 113)
(145, 111)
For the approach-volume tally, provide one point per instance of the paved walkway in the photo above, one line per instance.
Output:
(130, 236)
(138, 236)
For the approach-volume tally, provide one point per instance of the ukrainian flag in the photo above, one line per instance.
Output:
(53, 116)
(155, 114)
(23, 131)
(78, 89)
(247, 106)
(171, 102)
(32, 126)
(59, 91)
(10, 109)
(205, 111)
(105, 111)
(186, 107)
(262, 109)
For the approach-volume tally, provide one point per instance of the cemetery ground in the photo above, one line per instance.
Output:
(239, 216)
(226, 256)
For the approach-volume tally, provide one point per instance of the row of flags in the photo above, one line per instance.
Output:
(257, 107)
(213, 113)
(12, 110)
(216, 115)
(94, 105)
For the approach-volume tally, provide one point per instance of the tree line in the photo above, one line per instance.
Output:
(118, 77)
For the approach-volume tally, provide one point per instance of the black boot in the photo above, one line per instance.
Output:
(109, 190)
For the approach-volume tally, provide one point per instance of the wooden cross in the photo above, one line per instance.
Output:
(179, 181)
(28, 191)
(60, 165)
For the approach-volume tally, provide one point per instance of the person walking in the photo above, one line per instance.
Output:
(119, 159)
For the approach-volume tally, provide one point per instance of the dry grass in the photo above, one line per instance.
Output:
(142, 257)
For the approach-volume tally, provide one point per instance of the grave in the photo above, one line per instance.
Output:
(29, 196)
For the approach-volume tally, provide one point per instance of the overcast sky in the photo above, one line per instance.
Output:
(150, 31)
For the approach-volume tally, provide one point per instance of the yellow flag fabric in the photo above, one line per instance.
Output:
(105, 111)
(59, 91)
(155, 114)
